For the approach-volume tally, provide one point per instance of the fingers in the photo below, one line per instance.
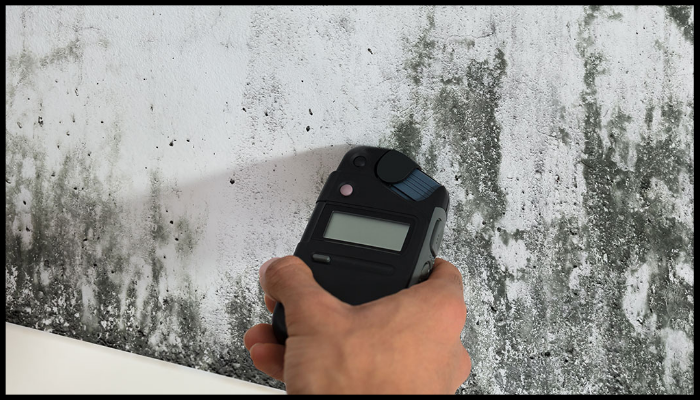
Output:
(270, 303)
(444, 283)
(464, 366)
(269, 358)
(261, 333)
(290, 281)
(266, 353)
(443, 292)
(445, 272)
(263, 268)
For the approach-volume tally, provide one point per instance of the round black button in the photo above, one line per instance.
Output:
(359, 161)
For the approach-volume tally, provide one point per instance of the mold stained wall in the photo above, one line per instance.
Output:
(156, 156)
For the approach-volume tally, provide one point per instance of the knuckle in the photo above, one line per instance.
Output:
(323, 303)
(456, 279)
(274, 271)
(453, 287)
(319, 311)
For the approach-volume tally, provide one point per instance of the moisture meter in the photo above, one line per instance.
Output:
(376, 228)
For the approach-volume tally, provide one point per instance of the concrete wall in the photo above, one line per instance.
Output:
(155, 157)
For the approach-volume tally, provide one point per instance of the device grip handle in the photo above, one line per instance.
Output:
(279, 326)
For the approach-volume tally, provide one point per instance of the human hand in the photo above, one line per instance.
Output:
(408, 342)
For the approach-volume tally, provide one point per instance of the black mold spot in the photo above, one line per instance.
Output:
(649, 117)
(591, 15)
(57, 218)
(308, 128)
(41, 121)
(406, 137)
(189, 236)
(463, 112)
(421, 52)
(243, 314)
(467, 115)
(681, 16)
(615, 16)
(627, 222)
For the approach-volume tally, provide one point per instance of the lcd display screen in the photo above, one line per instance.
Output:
(368, 231)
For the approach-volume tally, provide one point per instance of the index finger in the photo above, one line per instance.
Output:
(446, 288)
(446, 273)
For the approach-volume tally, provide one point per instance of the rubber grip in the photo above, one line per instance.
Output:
(279, 326)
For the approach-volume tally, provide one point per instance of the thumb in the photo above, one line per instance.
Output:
(290, 281)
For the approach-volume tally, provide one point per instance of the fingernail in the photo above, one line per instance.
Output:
(263, 268)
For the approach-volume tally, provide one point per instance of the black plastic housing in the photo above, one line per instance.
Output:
(358, 274)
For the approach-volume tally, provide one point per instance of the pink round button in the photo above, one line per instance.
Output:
(346, 190)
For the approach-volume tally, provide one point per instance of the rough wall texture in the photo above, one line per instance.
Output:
(155, 157)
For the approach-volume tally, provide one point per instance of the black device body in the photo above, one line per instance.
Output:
(386, 186)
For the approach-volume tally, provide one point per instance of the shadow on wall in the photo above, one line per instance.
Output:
(255, 212)
(170, 275)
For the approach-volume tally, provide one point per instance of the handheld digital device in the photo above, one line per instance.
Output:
(376, 228)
